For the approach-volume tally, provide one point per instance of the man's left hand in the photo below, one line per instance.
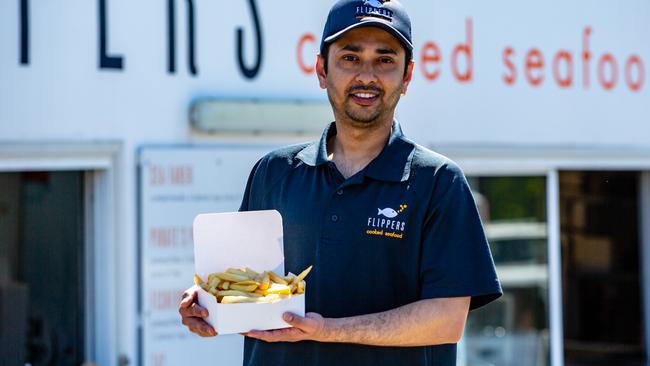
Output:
(310, 327)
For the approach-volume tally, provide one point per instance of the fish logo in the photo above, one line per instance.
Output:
(387, 212)
(374, 3)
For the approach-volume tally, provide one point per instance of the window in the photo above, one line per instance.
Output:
(513, 331)
(599, 217)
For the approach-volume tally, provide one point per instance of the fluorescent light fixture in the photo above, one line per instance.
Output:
(214, 115)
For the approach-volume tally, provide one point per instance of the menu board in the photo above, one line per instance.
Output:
(175, 184)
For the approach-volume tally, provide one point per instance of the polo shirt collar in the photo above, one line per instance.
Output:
(393, 163)
(315, 154)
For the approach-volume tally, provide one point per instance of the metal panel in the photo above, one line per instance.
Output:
(555, 268)
(644, 217)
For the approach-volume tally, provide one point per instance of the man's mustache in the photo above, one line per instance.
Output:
(362, 88)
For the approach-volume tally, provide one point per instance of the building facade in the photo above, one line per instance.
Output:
(120, 121)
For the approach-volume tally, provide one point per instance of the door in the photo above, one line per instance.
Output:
(42, 268)
(601, 280)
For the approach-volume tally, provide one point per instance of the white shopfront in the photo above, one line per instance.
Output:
(538, 103)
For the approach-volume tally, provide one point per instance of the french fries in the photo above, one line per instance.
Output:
(277, 279)
(244, 285)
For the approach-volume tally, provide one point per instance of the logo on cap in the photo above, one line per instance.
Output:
(375, 3)
(374, 8)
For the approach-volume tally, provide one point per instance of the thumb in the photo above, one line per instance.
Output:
(312, 322)
(295, 320)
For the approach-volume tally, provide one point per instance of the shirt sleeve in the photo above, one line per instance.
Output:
(246, 199)
(456, 259)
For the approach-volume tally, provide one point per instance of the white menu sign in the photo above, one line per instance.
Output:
(176, 184)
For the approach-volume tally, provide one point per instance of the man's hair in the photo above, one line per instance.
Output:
(326, 51)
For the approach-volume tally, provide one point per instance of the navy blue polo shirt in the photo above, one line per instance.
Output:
(402, 229)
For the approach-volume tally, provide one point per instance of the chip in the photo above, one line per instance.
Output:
(245, 285)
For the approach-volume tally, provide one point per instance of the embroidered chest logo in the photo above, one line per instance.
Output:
(387, 222)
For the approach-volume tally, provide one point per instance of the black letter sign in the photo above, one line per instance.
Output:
(106, 61)
(250, 73)
(24, 32)
(190, 38)
(171, 37)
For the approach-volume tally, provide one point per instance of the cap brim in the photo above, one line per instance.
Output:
(372, 22)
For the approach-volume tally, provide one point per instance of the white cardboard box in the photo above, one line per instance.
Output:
(242, 239)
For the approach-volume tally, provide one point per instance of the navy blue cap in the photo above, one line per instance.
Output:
(388, 15)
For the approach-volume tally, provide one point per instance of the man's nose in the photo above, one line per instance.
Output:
(366, 73)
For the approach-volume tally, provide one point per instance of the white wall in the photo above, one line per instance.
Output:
(61, 93)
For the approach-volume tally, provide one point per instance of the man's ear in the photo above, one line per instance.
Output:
(408, 76)
(320, 71)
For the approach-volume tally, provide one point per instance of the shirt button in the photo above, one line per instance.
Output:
(335, 218)
(339, 192)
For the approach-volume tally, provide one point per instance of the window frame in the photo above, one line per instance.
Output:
(548, 161)
(99, 163)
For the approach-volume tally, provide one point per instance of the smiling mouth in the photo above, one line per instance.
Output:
(364, 98)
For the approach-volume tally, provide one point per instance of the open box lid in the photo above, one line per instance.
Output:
(238, 239)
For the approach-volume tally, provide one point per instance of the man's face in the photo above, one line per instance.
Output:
(365, 75)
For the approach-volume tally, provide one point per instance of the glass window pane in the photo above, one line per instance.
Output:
(601, 274)
(513, 331)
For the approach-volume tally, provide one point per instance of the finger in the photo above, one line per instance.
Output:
(198, 311)
(188, 298)
(201, 332)
(207, 331)
(200, 327)
(277, 335)
(288, 334)
(252, 334)
(194, 311)
(261, 335)
(193, 323)
(298, 321)
(264, 335)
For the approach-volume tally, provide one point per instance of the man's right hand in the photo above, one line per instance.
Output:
(192, 315)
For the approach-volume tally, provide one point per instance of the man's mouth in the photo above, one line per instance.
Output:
(364, 98)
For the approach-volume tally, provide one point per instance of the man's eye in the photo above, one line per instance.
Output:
(386, 60)
(349, 58)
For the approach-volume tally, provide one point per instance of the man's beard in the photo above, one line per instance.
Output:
(367, 116)
(363, 117)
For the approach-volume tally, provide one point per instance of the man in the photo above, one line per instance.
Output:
(399, 253)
